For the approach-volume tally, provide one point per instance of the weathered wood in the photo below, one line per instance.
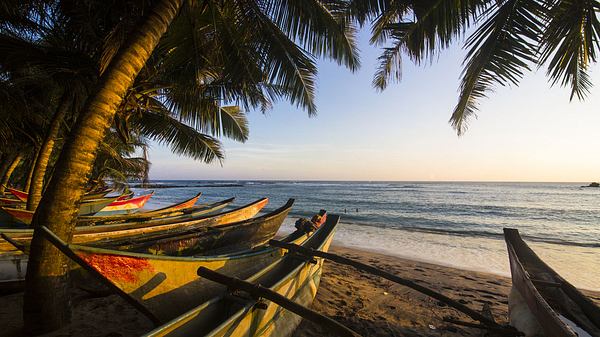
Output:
(64, 248)
(547, 294)
(394, 278)
(262, 292)
(19, 246)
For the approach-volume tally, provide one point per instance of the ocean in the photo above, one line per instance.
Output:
(454, 224)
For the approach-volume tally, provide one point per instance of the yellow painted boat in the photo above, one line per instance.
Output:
(228, 314)
(167, 286)
(13, 263)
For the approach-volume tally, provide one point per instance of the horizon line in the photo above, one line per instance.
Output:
(387, 181)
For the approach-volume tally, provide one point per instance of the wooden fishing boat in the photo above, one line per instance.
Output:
(85, 208)
(220, 239)
(549, 297)
(99, 193)
(13, 262)
(206, 217)
(167, 286)
(125, 206)
(22, 195)
(183, 207)
(230, 314)
(10, 201)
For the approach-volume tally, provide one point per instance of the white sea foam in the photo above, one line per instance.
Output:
(578, 265)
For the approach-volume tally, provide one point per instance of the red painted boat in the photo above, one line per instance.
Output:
(186, 206)
(125, 206)
(19, 194)
(22, 195)
(10, 201)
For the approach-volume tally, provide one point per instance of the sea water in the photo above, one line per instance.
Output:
(454, 224)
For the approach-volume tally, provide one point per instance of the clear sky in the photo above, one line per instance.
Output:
(525, 133)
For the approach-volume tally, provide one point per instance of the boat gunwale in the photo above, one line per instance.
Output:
(283, 278)
(231, 256)
(514, 241)
(185, 317)
(93, 229)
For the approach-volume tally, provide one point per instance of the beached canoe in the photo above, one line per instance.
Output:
(229, 314)
(221, 238)
(168, 286)
(549, 297)
(84, 234)
(13, 263)
(10, 201)
(88, 207)
(125, 206)
(22, 195)
(183, 207)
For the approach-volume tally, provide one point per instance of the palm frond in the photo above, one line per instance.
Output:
(501, 49)
(571, 42)
(321, 27)
(182, 139)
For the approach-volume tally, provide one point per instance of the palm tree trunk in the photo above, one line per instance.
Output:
(43, 158)
(47, 301)
(31, 169)
(6, 160)
(9, 171)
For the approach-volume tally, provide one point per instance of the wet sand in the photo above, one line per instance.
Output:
(367, 304)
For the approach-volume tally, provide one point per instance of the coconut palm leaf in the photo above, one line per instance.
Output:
(500, 50)
(570, 43)
(321, 27)
(183, 139)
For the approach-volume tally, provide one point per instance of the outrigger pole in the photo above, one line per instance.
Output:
(487, 322)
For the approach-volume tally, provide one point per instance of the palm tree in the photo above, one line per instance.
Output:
(510, 38)
(258, 39)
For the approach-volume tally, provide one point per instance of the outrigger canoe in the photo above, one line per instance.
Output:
(186, 206)
(88, 207)
(113, 205)
(229, 314)
(126, 206)
(221, 238)
(13, 263)
(22, 195)
(10, 201)
(549, 297)
(167, 286)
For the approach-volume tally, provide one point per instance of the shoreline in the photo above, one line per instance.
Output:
(368, 304)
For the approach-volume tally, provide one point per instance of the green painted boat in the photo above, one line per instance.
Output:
(93, 233)
(184, 207)
(220, 238)
(13, 263)
(232, 315)
(167, 286)
(549, 297)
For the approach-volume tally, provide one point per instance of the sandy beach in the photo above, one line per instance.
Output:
(367, 304)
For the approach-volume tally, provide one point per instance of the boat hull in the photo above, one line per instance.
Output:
(124, 206)
(547, 294)
(10, 255)
(289, 276)
(86, 208)
(176, 209)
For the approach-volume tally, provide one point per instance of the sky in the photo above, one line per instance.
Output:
(526, 133)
